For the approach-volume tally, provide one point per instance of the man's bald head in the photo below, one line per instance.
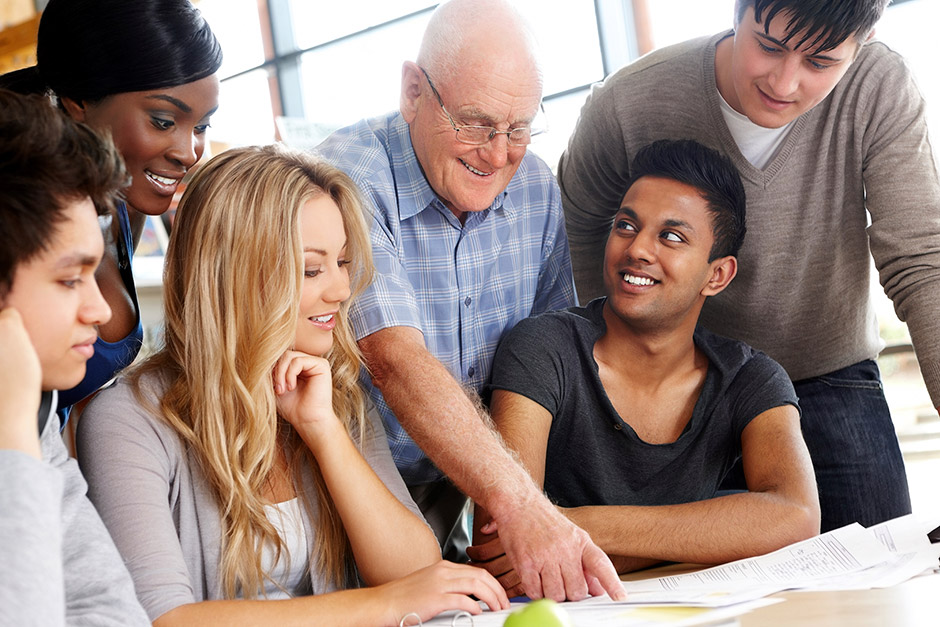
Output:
(487, 33)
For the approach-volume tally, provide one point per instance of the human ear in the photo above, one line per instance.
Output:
(74, 108)
(723, 270)
(411, 76)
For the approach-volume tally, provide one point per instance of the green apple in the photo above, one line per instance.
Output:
(541, 613)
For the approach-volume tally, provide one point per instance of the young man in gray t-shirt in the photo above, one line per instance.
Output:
(630, 416)
(59, 563)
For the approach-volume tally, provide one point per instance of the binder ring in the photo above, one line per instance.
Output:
(460, 616)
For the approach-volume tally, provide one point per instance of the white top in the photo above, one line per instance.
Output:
(758, 144)
(289, 576)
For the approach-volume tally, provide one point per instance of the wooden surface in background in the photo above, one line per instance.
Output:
(18, 45)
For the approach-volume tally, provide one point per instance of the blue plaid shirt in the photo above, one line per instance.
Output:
(462, 286)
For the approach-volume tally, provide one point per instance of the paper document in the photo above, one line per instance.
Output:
(848, 558)
(585, 614)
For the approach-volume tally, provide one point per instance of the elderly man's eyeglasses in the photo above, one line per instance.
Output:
(479, 135)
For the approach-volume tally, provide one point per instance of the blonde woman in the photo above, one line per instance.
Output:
(239, 465)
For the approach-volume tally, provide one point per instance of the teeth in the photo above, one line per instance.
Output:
(637, 280)
(473, 169)
(323, 319)
(162, 179)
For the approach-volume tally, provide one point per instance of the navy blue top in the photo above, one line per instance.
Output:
(110, 357)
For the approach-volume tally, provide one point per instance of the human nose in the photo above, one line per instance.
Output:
(95, 309)
(785, 77)
(186, 148)
(642, 248)
(337, 289)
(496, 151)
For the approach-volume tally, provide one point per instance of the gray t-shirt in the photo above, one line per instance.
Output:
(159, 507)
(594, 457)
(58, 565)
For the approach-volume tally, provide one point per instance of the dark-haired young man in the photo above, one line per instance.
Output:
(826, 128)
(630, 414)
(59, 563)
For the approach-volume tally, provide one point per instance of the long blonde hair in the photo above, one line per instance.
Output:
(232, 285)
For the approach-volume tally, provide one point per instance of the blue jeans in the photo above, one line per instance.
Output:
(851, 439)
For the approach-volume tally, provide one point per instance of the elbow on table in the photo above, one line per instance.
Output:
(801, 523)
(809, 521)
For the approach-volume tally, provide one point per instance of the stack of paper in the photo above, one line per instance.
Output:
(850, 558)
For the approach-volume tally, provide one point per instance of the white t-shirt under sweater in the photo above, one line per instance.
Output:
(758, 144)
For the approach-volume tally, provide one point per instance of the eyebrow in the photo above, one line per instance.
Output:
(78, 259)
(320, 251)
(630, 212)
(679, 224)
(777, 42)
(671, 222)
(472, 113)
(179, 104)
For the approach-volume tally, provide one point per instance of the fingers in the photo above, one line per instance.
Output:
(575, 585)
(561, 562)
(595, 589)
(491, 592)
(496, 567)
(553, 583)
(486, 551)
(597, 564)
(512, 584)
(457, 582)
(291, 365)
(491, 557)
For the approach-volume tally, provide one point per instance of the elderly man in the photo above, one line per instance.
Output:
(468, 239)
(828, 131)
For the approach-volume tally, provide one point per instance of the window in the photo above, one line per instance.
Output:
(332, 64)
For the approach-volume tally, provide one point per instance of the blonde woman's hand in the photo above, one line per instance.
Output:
(440, 587)
(303, 386)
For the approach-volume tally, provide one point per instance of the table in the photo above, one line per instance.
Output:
(914, 603)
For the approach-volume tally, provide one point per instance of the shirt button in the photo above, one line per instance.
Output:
(467, 301)
(470, 372)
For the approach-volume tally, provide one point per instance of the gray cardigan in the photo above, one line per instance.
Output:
(158, 504)
(58, 565)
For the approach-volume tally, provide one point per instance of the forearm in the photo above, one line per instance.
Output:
(447, 425)
(387, 539)
(625, 564)
(348, 607)
(714, 531)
